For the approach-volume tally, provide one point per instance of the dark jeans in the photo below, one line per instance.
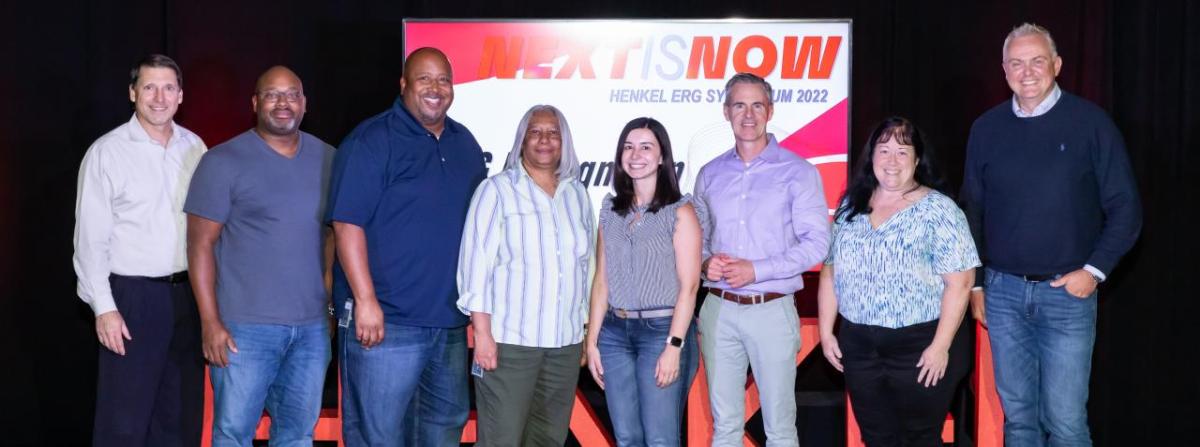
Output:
(154, 394)
(892, 408)
(409, 390)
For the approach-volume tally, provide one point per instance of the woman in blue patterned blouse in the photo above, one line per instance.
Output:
(899, 270)
(640, 344)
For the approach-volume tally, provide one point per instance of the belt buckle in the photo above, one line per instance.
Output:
(621, 313)
(758, 298)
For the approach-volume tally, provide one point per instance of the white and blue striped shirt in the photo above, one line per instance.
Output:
(525, 259)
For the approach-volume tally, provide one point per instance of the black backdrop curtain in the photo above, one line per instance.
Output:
(63, 84)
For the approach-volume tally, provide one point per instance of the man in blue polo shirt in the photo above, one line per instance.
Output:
(401, 185)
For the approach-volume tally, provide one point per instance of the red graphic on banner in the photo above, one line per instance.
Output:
(462, 42)
(501, 50)
(825, 136)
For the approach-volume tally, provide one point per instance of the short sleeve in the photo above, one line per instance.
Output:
(834, 241)
(952, 248)
(357, 180)
(835, 232)
(210, 195)
(606, 211)
(670, 214)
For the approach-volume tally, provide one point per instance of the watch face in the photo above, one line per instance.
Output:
(675, 341)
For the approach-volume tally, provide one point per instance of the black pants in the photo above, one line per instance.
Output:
(154, 394)
(892, 408)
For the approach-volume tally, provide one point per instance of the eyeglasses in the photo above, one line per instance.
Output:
(292, 96)
(534, 134)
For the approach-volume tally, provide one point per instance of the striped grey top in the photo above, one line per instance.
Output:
(639, 257)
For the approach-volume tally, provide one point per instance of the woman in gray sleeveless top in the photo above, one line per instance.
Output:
(640, 344)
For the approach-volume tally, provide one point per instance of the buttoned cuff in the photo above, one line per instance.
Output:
(763, 270)
(102, 305)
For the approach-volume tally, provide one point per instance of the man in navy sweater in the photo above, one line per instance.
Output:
(1053, 205)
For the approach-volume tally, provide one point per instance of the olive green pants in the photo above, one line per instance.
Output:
(527, 399)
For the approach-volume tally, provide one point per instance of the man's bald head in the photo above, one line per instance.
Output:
(421, 54)
(427, 87)
(278, 72)
(279, 102)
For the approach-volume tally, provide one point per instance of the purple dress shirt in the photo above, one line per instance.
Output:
(770, 211)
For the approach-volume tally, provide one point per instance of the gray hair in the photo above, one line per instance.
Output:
(568, 166)
(1028, 29)
(748, 78)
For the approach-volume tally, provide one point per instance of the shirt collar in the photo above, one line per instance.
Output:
(138, 133)
(771, 153)
(518, 173)
(1042, 108)
(414, 126)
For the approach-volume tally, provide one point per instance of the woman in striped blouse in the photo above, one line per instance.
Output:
(899, 269)
(640, 345)
(522, 277)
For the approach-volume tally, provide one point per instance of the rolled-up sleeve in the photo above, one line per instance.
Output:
(480, 246)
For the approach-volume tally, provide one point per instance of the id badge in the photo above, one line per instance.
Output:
(476, 370)
(348, 315)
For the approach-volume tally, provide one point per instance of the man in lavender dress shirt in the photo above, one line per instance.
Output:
(765, 221)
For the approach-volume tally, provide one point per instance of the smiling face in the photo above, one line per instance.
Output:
(895, 164)
(1030, 68)
(428, 88)
(748, 109)
(641, 154)
(279, 102)
(542, 148)
(156, 96)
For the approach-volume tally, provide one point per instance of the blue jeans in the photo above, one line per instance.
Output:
(1042, 341)
(410, 390)
(279, 366)
(641, 412)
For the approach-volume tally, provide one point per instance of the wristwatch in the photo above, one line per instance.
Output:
(674, 341)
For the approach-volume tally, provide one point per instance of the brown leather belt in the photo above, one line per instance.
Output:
(746, 299)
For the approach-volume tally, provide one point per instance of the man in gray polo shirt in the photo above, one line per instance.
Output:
(255, 242)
